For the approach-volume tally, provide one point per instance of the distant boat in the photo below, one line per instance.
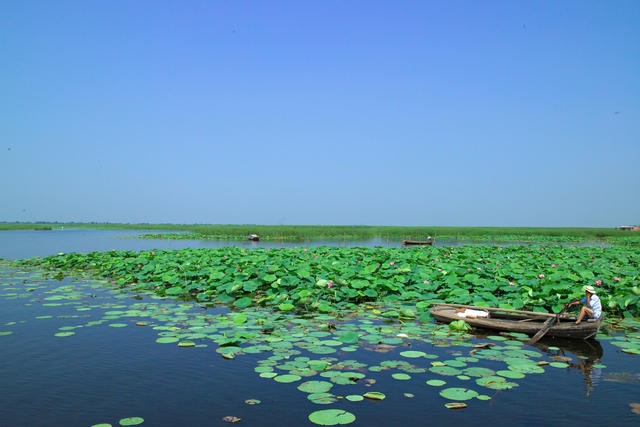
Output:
(526, 322)
(416, 243)
(254, 237)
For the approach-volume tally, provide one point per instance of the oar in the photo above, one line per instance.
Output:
(548, 324)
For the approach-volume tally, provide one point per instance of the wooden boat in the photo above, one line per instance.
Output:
(254, 237)
(416, 243)
(526, 322)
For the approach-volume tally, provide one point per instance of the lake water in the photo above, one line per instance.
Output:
(19, 244)
(105, 372)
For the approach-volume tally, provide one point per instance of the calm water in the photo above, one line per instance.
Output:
(103, 374)
(20, 244)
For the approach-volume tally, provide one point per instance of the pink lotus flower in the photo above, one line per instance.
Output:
(330, 284)
(617, 279)
(392, 263)
(553, 265)
(153, 253)
(426, 281)
(598, 282)
(511, 284)
(541, 276)
(439, 269)
(436, 260)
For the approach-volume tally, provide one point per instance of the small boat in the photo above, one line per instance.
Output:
(416, 243)
(526, 322)
(254, 237)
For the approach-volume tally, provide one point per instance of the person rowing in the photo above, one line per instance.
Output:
(591, 305)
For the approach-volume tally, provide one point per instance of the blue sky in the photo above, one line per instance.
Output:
(464, 113)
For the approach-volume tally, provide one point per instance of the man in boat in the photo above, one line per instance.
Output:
(591, 305)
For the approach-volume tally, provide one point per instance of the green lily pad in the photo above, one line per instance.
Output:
(65, 334)
(374, 395)
(510, 374)
(167, 340)
(268, 375)
(496, 383)
(133, 421)
(558, 365)
(252, 402)
(322, 398)
(332, 417)
(401, 376)
(349, 337)
(445, 370)
(315, 386)
(458, 393)
(436, 383)
(354, 398)
(287, 378)
(239, 318)
(527, 368)
(477, 371)
(412, 354)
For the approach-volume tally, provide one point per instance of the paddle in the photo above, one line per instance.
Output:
(547, 325)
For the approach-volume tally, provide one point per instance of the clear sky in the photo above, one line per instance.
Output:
(449, 113)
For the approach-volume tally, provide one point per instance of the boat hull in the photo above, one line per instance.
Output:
(528, 324)
(416, 243)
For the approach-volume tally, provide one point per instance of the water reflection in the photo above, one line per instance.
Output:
(587, 357)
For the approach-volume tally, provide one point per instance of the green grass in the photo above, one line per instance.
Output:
(523, 234)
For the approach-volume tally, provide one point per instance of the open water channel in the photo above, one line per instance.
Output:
(73, 352)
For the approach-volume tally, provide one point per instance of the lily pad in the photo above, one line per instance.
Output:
(322, 398)
(413, 354)
(401, 376)
(458, 393)
(558, 365)
(455, 406)
(133, 421)
(527, 368)
(374, 395)
(510, 374)
(287, 378)
(315, 386)
(332, 417)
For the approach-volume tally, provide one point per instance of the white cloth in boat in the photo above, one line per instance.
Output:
(475, 313)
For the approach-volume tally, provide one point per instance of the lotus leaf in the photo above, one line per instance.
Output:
(374, 395)
(457, 393)
(332, 417)
(134, 421)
